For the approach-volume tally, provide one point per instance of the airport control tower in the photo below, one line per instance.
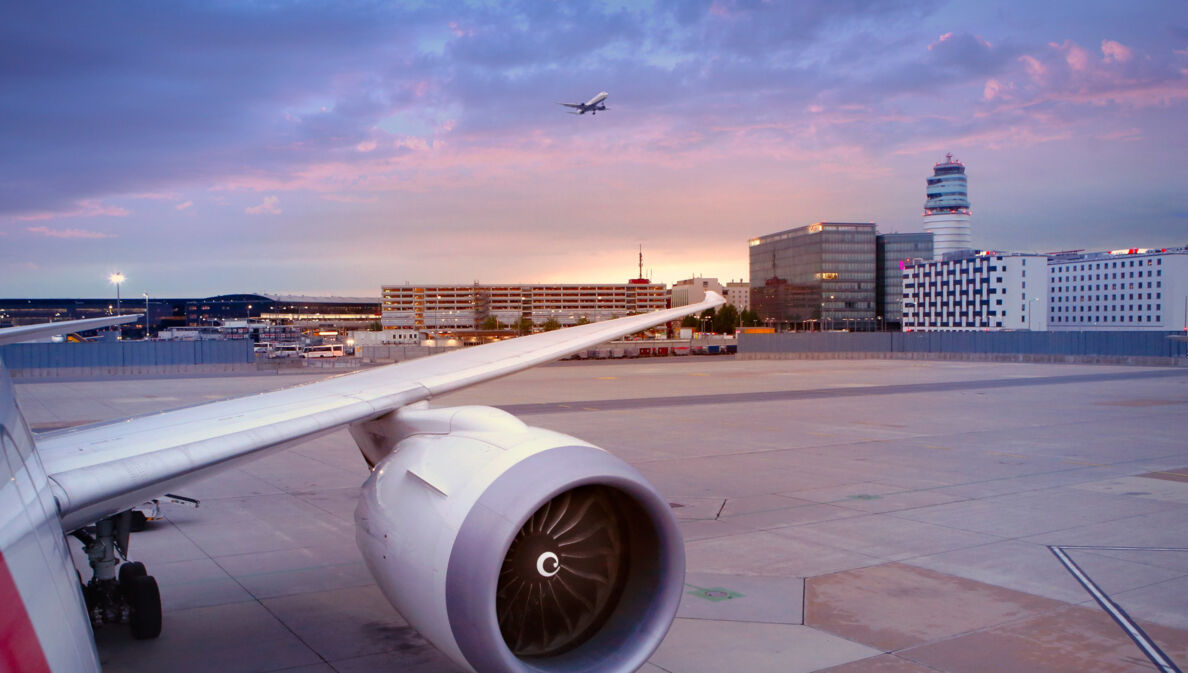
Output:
(946, 212)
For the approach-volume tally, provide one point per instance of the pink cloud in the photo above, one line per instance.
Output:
(949, 36)
(156, 196)
(349, 198)
(1068, 74)
(84, 208)
(459, 31)
(68, 233)
(943, 38)
(1075, 55)
(183, 206)
(1115, 52)
(366, 146)
(411, 142)
(994, 89)
(1036, 70)
(270, 206)
(1126, 135)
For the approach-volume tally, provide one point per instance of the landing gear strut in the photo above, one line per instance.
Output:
(130, 597)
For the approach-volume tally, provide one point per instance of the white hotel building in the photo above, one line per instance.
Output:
(452, 308)
(1134, 289)
(991, 291)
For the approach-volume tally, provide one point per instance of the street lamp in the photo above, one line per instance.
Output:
(115, 279)
(146, 313)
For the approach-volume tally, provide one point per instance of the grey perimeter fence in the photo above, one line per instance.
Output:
(126, 354)
(1026, 345)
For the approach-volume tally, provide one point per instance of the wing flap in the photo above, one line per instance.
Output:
(103, 469)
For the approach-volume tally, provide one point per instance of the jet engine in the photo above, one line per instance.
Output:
(516, 549)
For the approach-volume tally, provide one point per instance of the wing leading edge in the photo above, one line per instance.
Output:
(99, 470)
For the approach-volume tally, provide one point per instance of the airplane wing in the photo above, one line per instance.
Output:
(103, 469)
(10, 335)
(573, 105)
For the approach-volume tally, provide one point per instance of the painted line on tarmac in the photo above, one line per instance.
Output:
(827, 393)
(1157, 657)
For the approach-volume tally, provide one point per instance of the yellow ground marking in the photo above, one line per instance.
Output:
(607, 378)
(939, 448)
(698, 374)
(1003, 453)
(1083, 462)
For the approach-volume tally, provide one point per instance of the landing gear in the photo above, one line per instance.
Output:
(132, 596)
(144, 599)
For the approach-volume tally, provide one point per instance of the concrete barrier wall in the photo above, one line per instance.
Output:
(1151, 348)
(371, 354)
(144, 371)
(125, 354)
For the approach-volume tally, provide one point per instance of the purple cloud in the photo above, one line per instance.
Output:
(68, 233)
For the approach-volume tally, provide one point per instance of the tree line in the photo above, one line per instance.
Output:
(723, 321)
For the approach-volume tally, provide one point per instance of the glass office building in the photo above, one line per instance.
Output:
(894, 252)
(817, 277)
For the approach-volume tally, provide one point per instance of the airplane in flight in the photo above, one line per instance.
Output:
(511, 548)
(593, 106)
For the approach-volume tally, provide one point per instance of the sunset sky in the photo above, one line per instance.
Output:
(330, 148)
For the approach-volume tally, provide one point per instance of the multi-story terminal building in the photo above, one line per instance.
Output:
(946, 212)
(738, 293)
(817, 277)
(692, 290)
(1133, 289)
(893, 253)
(976, 291)
(453, 308)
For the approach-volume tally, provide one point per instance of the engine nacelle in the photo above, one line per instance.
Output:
(517, 549)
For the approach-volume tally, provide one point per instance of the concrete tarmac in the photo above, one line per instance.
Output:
(867, 515)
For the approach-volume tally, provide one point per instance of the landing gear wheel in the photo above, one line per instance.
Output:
(130, 571)
(144, 599)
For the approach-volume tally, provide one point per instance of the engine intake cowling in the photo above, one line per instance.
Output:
(518, 549)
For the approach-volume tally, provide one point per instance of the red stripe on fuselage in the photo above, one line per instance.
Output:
(20, 651)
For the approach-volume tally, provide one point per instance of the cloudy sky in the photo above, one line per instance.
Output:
(330, 148)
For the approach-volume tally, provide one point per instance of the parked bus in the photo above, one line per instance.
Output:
(326, 351)
(285, 351)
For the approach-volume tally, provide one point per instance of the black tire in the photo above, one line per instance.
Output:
(128, 572)
(145, 600)
(139, 521)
